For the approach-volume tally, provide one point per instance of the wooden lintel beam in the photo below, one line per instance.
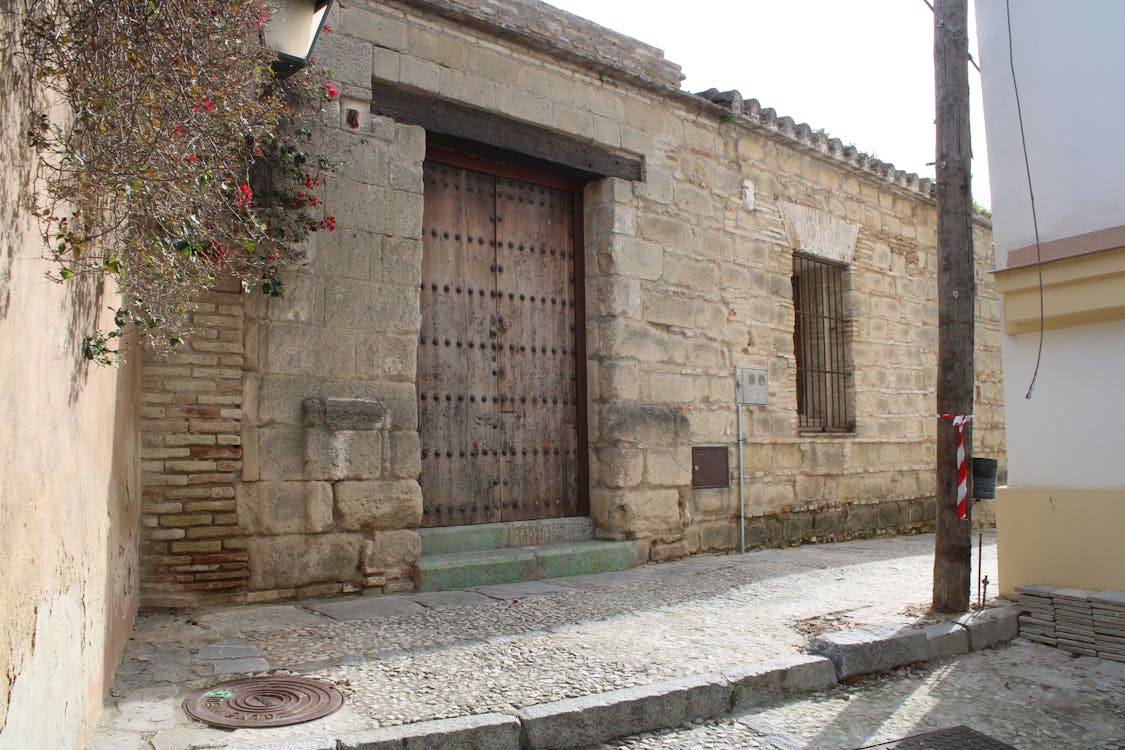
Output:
(492, 136)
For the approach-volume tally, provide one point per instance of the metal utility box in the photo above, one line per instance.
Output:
(710, 466)
(751, 386)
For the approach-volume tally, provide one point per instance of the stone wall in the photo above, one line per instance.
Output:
(69, 479)
(688, 275)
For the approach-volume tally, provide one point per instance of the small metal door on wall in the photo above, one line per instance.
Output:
(500, 393)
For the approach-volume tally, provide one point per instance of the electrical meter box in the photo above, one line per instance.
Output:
(751, 386)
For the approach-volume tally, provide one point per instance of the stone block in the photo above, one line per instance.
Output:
(378, 505)
(651, 424)
(344, 414)
(279, 562)
(946, 639)
(443, 540)
(406, 455)
(671, 310)
(298, 349)
(461, 570)
(549, 531)
(868, 650)
(632, 257)
(619, 380)
(714, 537)
(633, 512)
(769, 681)
(479, 732)
(345, 454)
(668, 467)
(620, 467)
(619, 297)
(592, 719)
(284, 507)
(348, 59)
(350, 304)
(582, 558)
(386, 356)
(391, 549)
(991, 626)
(281, 454)
(671, 388)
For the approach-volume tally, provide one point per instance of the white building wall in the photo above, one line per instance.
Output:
(1070, 67)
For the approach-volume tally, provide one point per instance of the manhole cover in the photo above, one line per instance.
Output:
(263, 702)
(956, 738)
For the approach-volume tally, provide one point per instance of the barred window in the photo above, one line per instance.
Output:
(820, 346)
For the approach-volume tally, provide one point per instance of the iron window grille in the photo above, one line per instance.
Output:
(820, 334)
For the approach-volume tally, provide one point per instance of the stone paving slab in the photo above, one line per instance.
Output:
(261, 617)
(584, 636)
(367, 607)
(523, 589)
(449, 599)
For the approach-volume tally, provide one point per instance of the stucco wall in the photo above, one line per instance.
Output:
(1071, 172)
(69, 485)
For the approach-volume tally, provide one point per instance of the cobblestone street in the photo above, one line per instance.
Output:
(1029, 696)
(404, 659)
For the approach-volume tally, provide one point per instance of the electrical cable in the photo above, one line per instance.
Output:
(1031, 193)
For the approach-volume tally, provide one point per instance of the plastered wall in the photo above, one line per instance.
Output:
(69, 483)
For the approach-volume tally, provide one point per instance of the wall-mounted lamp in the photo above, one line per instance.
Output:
(292, 30)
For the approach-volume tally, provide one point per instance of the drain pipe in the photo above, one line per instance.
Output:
(741, 489)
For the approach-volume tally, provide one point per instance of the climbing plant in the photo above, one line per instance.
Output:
(170, 154)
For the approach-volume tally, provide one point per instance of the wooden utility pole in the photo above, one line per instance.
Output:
(956, 300)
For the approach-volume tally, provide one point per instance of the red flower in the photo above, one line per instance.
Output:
(189, 158)
(329, 223)
(245, 195)
(326, 29)
(207, 105)
(331, 90)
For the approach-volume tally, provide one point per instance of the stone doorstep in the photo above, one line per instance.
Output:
(463, 570)
(603, 717)
(442, 540)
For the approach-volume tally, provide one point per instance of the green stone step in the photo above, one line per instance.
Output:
(462, 570)
(443, 540)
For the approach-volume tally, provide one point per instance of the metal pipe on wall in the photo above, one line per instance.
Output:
(741, 488)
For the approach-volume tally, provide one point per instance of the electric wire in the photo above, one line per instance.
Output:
(1031, 193)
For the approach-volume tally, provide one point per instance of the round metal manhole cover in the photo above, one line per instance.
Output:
(263, 702)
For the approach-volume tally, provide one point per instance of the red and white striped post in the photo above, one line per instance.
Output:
(959, 421)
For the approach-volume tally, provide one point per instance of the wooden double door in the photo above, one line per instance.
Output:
(500, 362)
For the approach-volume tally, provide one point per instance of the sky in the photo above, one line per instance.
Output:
(862, 70)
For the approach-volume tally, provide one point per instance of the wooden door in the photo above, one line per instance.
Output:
(498, 382)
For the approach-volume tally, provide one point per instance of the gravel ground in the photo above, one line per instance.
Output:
(1029, 696)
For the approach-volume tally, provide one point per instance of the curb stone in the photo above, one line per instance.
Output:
(872, 649)
(592, 719)
(946, 639)
(991, 626)
(479, 732)
(772, 680)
